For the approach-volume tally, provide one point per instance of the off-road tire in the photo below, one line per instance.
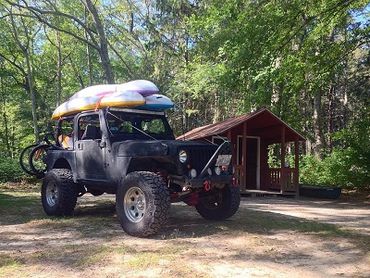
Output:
(66, 193)
(219, 204)
(157, 203)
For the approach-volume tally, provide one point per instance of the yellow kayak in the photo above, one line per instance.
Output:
(76, 105)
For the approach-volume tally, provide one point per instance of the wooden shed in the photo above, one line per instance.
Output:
(250, 136)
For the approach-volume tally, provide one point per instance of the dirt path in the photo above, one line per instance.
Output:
(353, 216)
(266, 238)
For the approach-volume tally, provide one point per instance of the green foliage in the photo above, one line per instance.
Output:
(347, 166)
(308, 61)
(313, 171)
(10, 170)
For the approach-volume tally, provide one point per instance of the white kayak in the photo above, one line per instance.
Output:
(143, 87)
(120, 99)
(95, 91)
(157, 102)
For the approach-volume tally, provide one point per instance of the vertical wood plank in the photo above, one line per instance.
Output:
(296, 166)
(244, 155)
(282, 160)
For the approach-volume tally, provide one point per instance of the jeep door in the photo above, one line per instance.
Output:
(90, 151)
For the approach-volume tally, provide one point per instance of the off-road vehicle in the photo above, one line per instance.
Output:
(133, 153)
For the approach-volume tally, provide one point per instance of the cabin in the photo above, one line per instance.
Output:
(252, 136)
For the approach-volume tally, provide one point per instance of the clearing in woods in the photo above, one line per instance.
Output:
(268, 237)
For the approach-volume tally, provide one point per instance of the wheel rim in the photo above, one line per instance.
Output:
(51, 194)
(134, 204)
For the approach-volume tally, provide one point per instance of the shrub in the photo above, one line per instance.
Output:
(311, 170)
(348, 165)
(343, 167)
(10, 170)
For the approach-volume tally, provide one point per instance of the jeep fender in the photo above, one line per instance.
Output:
(57, 159)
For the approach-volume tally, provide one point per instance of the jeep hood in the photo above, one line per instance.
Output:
(156, 148)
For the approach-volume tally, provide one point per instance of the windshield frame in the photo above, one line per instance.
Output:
(139, 134)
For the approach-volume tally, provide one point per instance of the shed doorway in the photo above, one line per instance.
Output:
(252, 164)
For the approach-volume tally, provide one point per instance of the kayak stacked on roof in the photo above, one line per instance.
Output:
(141, 94)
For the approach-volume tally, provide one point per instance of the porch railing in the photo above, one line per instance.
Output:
(284, 179)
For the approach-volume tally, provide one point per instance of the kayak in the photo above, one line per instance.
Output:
(156, 102)
(95, 91)
(121, 99)
(140, 94)
(143, 87)
(74, 106)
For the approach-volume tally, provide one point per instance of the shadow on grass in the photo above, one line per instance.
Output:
(96, 217)
(187, 222)
(19, 208)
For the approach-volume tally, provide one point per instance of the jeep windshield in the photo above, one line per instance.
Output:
(142, 125)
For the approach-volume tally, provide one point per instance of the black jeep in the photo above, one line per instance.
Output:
(133, 154)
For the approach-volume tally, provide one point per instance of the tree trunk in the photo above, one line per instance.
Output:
(216, 115)
(318, 143)
(29, 75)
(59, 69)
(33, 96)
(103, 51)
(330, 116)
(5, 120)
(88, 51)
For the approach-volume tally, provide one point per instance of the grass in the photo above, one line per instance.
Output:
(94, 240)
(8, 265)
(7, 261)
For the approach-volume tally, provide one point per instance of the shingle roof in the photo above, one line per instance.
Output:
(222, 127)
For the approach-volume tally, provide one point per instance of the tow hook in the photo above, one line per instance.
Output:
(235, 182)
(207, 185)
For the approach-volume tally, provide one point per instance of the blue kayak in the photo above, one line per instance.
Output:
(156, 102)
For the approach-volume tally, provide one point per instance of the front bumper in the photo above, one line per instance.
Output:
(199, 182)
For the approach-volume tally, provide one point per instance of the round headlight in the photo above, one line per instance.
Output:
(183, 156)
(217, 171)
(193, 173)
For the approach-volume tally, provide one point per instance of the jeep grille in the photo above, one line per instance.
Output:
(199, 156)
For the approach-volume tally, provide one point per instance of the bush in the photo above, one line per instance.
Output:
(311, 171)
(348, 165)
(10, 170)
(333, 170)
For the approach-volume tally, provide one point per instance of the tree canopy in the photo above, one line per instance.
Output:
(308, 61)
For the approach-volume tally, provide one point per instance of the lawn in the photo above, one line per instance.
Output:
(253, 243)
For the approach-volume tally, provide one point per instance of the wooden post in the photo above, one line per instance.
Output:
(233, 157)
(296, 166)
(282, 160)
(244, 155)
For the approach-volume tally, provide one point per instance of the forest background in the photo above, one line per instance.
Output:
(308, 61)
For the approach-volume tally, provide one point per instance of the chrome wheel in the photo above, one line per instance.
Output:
(134, 204)
(51, 194)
